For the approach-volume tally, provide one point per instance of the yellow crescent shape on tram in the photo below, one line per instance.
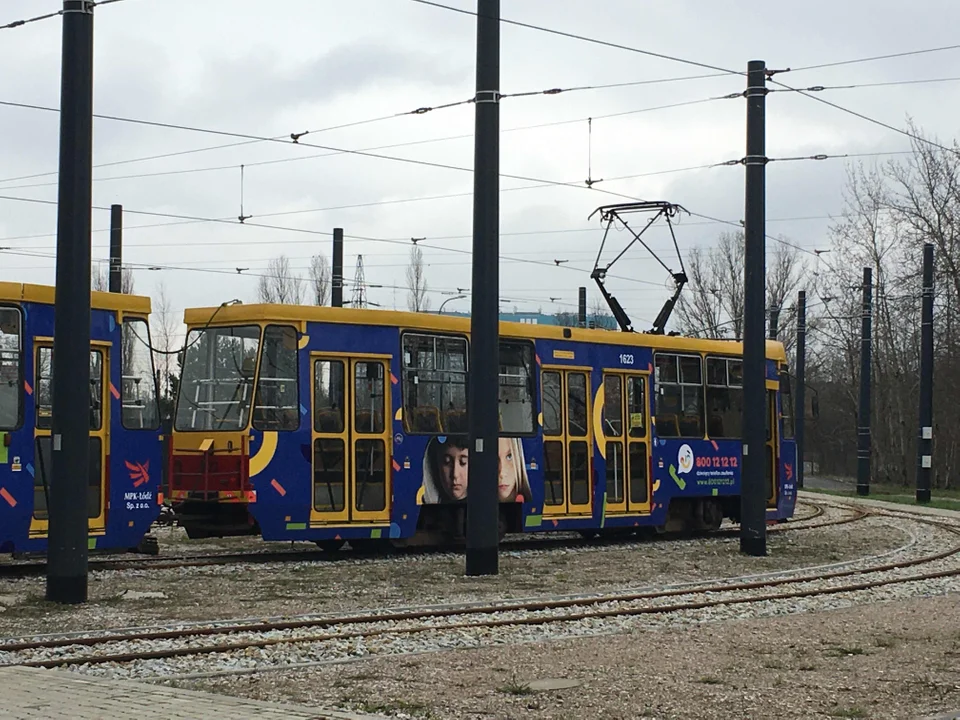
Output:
(598, 422)
(264, 455)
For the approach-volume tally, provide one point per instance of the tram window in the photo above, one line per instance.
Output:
(368, 395)
(11, 377)
(636, 406)
(139, 385)
(724, 397)
(552, 393)
(434, 384)
(516, 388)
(328, 390)
(612, 407)
(371, 475)
(277, 405)
(679, 407)
(217, 379)
(44, 389)
(786, 404)
(329, 476)
(577, 405)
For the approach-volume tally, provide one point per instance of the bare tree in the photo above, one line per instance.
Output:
(279, 285)
(600, 315)
(100, 280)
(164, 340)
(417, 298)
(320, 279)
(712, 305)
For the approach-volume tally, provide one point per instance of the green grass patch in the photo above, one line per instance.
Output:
(942, 499)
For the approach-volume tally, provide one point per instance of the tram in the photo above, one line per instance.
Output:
(332, 425)
(126, 457)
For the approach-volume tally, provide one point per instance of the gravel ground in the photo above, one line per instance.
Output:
(137, 597)
(898, 659)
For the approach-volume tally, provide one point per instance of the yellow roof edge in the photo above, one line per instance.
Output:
(265, 313)
(46, 295)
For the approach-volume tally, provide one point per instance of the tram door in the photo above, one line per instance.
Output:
(567, 442)
(96, 499)
(771, 449)
(625, 440)
(351, 439)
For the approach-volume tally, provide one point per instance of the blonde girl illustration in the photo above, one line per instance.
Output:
(513, 485)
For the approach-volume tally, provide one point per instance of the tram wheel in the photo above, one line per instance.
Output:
(330, 545)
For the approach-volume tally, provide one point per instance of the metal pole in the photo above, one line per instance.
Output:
(925, 446)
(800, 411)
(582, 308)
(753, 495)
(774, 322)
(863, 417)
(116, 248)
(336, 279)
(67, 543)
(483, 507)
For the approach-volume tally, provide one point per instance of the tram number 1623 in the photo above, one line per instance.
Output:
(626, 359)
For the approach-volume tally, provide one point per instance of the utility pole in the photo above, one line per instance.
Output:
(925, 446)
(70, 430)
(774, 322)
(800, 411)
(863, 417)
(753, 496)
(116, 248)
(336, 274)
(483, 506)
(582, 308)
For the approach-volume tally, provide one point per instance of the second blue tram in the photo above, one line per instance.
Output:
(330, 424)
(123, 479)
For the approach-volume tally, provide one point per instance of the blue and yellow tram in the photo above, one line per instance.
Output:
(123, 480)
(331, 424)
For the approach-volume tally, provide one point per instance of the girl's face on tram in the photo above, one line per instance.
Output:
(453, 471)
(507, 487)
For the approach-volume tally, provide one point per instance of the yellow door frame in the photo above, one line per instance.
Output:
(772, 388)
(39, 527)
(568, 509)
(625, 506)
(349, 436)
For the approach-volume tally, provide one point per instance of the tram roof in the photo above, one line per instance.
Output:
(45, 295)
(426, 322)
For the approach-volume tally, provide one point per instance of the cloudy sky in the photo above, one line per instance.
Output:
(270, 69)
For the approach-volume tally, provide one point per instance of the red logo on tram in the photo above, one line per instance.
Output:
(139, 472)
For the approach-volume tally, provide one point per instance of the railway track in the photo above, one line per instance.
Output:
(257, 637)
(33, 569)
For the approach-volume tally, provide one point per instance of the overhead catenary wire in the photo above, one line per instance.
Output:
(431, 198)
(584, 38)
(49, 16)
(687, 61)
(282, 228)
(283, 138)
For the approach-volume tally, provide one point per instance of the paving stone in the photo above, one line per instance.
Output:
(35, 694)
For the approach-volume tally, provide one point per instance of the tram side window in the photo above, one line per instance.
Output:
(679, 407)
(516, 388)
(217, 378)
(786, 404)
(277, 405)
(139, 394)
(724, 397)
(11, 378)
(434, 384)
(44, 389)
